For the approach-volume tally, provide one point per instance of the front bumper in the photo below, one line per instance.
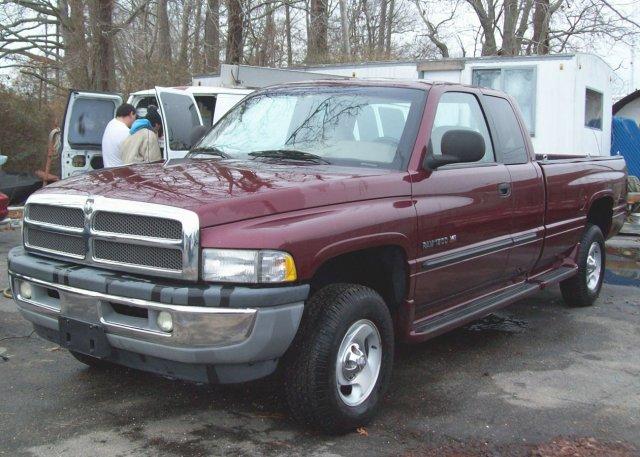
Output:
(220, 333)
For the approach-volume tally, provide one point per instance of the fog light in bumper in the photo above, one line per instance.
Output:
(165, 321)
(25, 290)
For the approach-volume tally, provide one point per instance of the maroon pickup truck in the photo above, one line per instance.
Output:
(311, 228)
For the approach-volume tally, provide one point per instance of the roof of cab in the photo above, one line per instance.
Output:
(200, 90)
(354, 82)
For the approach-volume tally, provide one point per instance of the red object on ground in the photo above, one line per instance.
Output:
(4, 206)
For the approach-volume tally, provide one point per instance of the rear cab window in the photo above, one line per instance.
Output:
(510, 145)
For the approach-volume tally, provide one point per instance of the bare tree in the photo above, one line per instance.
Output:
(317, 47)
(212, 36)
(235, 22)
(164, 31)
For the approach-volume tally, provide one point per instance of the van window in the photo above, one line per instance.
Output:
(89, 118)
(459, 111)
(180, 128)
(509, 141)
(207, 106)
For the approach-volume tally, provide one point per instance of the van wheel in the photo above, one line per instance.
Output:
(339, 365)
(93, 362)
(583, 288)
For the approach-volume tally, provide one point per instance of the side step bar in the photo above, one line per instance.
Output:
(472, 311)
(483, 306)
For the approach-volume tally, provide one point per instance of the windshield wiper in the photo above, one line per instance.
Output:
(289, 154)
(212, 150)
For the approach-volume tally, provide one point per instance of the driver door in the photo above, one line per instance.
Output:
(180, 116)
(464, 215)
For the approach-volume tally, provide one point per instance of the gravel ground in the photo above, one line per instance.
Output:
(536, 379)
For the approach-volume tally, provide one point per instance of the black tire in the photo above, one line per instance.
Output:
(92, 362)
(575, 290)
(311, 387)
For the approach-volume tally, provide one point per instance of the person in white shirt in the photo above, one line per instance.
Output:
(115, 133)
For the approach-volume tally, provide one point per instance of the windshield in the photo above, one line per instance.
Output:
(353, 126)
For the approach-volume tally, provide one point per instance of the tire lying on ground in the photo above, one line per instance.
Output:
(583, 288)
(339, 365)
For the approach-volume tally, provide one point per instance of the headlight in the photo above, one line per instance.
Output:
(243, 266)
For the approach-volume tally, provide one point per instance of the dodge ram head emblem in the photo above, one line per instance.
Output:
(439, 241)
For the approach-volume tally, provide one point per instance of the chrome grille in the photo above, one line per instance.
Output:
(56, 215)
(138, 225)
(57, 242)
(136, 254)
(115, 234)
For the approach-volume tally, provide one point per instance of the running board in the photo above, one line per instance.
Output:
(472, 311)
(554, 276)
(484, 306)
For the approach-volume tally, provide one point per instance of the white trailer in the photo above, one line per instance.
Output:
(565, 99)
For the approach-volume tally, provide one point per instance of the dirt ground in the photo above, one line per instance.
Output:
(536, 379)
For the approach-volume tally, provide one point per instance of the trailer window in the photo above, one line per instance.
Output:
(518, 82)
(510, 144)
(593, 109)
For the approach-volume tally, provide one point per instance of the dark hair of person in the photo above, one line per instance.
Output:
(125, 109)
(153, 116)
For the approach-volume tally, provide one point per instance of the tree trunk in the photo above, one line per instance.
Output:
(287, 27)
(265, 54)
(390, 13)
(487, 24)
(212, 36)
(196, 55)
(345, 48)
(317, 48)
(76, 52)
(510, 20)
(164, 36)
(541, 18)
(183, 56)
(381, 27)
(234, 31)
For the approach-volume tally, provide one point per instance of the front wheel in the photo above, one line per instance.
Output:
(339, 365)
(583, 288)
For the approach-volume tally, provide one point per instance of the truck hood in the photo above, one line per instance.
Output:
(223, 191)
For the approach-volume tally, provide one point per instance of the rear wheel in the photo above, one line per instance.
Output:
(339, 365)
(583, 288)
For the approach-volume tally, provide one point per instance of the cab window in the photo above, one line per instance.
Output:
(459, 111)
(509, 140)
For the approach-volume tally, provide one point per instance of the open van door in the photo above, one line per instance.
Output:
(85, 119)
(180, 116)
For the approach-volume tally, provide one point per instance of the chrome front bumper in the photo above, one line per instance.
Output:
(213, 325)
(193, 326)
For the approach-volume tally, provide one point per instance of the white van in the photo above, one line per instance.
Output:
(182, 109)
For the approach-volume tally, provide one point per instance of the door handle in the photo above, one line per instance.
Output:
(504, 189)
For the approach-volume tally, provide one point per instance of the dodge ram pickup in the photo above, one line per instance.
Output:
(315, 225)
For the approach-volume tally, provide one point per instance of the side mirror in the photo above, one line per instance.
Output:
(457, 146)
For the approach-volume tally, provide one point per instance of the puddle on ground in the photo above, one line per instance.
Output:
(497, 323)
(623, 266)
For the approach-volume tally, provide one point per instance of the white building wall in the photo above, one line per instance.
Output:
(396, 70)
